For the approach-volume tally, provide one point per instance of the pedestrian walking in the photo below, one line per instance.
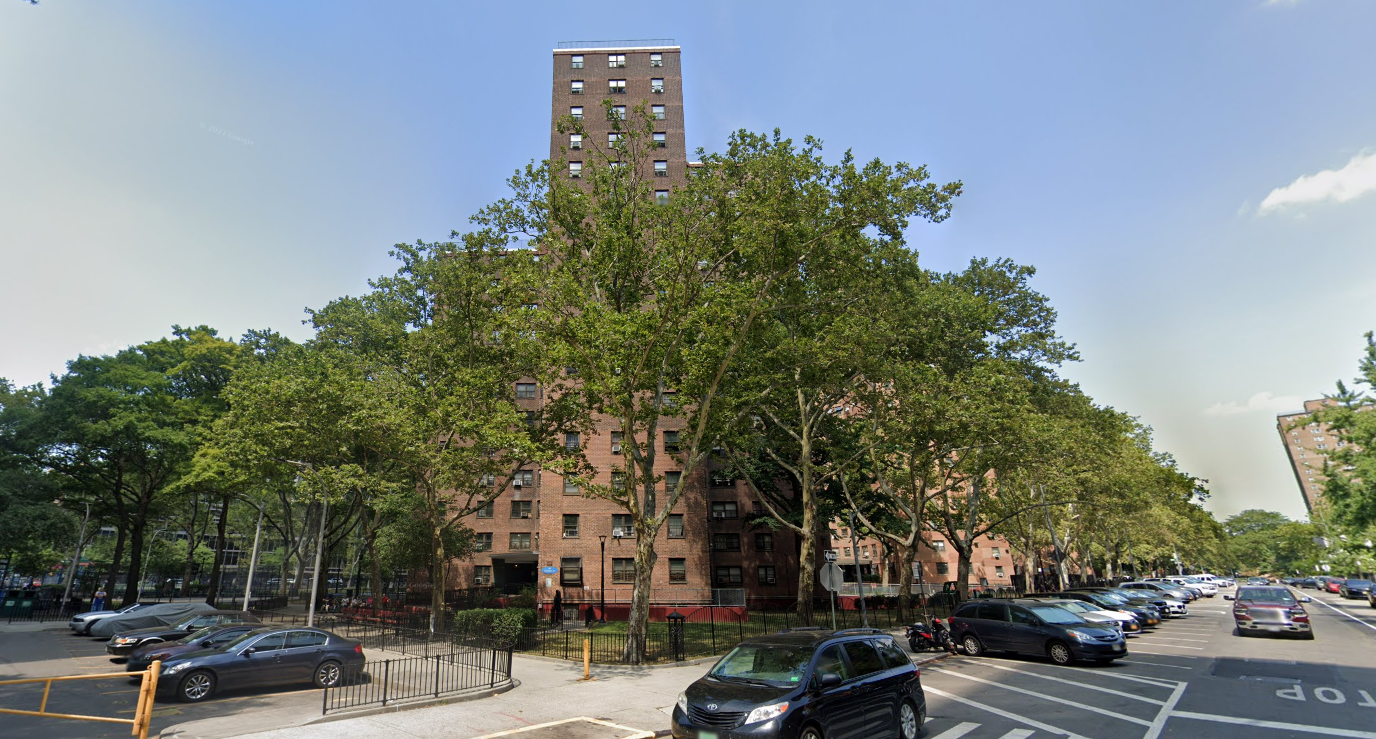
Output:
(99, 603)
(556, 613)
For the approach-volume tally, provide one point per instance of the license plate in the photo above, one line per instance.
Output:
(1273, 629)
(1117, 647)
(707, 735)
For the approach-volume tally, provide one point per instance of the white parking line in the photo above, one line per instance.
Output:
(1017, 734)
(1086, 686)
(1164, 714)
(1281, 725)
(1168, 646)
(957, 731)
(1176, 638)
(1154, 664)
(1345, 613)
(1044, 696)
(1000, 712)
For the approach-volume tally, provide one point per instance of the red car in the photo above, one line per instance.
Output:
(1270, 610)
(1333, 586)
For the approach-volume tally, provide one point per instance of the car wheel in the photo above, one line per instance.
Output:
(1060, 653)
(971, 645)
(196, 687)
(328, 674)
(811, 732)
(913, 645)
(910, 720)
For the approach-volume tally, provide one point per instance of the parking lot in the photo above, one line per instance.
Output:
(1190, 677)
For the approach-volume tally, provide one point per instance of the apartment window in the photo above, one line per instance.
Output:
(661, 197)
(486, 511)
(661, 140)
(847, 551)
(524, 479)
(623, 570)
(865, 551)
(657, 112)
(671, 481)
(656, 85)
(532, 418)
(576, 87)
(939, 546)
(942, 568)
(571, 441)
(576, 61)
(619, 112)
(726, 542)
(482, 575)
(482, 542)
(521, 508)
(623, 522)
(998, 572)
(997, 554)
(570, 525)
(728, 576)
(525, 390)
(675, 525)
(613, 139)
(671, 441)
(577, 112)
(756, 508)
(764, 542)
(617, 436)
(571, 571)
(519, 542)
(618, 481)
(616, 87)
(661, 168)
(575, 169)
(616, 60)
(656, 60)
(766, 574)
(678, 569)
(488, 480)
(724, 509)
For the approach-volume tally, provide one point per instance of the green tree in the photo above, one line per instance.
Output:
(1350, 488)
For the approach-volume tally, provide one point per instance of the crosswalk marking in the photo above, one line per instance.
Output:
(1017, 734)
(1044, 696)
(957, 731)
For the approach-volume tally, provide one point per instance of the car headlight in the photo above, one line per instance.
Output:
(174, 669)
(683, 702)
(764, 713)
(1078, 635)
(126, 640)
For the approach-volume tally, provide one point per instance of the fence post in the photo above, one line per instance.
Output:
(386, 677)
(437, 676)
(325, 701)
(493, 681)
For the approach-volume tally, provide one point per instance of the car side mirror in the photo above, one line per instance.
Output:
(1227, 597)
(248, 652)
(829, 680)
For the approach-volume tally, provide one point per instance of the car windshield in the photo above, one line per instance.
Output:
(197, 636)
(1075, 606)
(1359, 583)
(765, 663)
(1267, 595)
(1107, 599)
(1056, 615)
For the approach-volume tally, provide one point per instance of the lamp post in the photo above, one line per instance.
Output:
(253, 560)
(602, 586)
(143, 566)
(81, 539)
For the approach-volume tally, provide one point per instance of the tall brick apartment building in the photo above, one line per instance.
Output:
(1307, 446)
(544, 532)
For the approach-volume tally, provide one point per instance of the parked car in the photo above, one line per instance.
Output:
(1270, 609)
(1169, 607)
(207, 638)
(806, 684)
(125, 642)
(1093, 613)
(81, 623)
(1166, 590)
(1210, 589)
(1033, 627)
(158, 614)
(1333, 585)
(269, 656)
(1354, 588)
(1145, 615)
(1371, 597)
(1307, 582)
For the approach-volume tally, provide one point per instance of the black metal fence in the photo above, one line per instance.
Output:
(479, 664)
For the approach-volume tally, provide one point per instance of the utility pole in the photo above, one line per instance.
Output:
(859, 579)
(76, 558)
(315, 576)
(253, 560)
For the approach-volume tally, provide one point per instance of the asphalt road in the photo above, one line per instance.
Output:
(56, 651)
(1190, 678)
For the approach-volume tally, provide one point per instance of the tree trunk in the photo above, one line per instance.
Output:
(639, 622)
(437, 566)
(963, 572)
(218, 567)
(109, 588)
(807, 561)
(131, 582)
(908, 556)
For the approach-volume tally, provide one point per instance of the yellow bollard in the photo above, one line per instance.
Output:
(587, 658)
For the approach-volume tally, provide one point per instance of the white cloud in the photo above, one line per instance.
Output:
(1355, 179)
(1262, 401)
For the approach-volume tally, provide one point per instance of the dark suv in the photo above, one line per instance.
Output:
(1033, 627)
(806, 684)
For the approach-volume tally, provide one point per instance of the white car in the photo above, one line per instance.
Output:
(81, 622)
(1210, 589)
(1120, 620)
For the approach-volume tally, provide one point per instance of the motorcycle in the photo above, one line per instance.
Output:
(920, 637)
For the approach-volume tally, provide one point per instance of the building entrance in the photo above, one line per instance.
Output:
(511, 577)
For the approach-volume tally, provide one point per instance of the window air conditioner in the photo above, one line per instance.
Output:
(618, 533)
(516, 483)
(718, 514)
(616, 448)
(770, 581)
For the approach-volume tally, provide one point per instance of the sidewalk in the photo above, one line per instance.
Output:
(638, 697)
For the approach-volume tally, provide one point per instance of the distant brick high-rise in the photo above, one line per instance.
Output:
(1307, 446)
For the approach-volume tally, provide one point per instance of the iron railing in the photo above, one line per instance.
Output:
(479, 666)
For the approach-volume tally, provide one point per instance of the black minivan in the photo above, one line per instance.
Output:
(1033, 627)
(806, 684)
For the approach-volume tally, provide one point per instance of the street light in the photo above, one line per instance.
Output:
(143, 566)
(602, 587)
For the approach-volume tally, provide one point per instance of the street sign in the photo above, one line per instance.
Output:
(831, 577)
(549, 570)
(829, 555)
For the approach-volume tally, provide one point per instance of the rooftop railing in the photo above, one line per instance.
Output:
(639, 43)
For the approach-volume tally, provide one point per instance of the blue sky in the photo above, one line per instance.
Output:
(1194, 181)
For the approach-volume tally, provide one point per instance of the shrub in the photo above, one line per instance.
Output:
(502, 623)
